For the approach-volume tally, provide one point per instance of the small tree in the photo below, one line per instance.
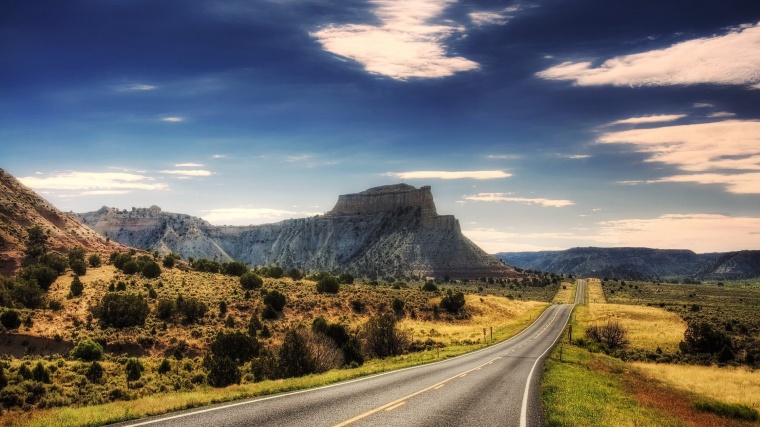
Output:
(276, 299)
(133, 369)
(165, 309)
(164, 367)
(237, 346)
(122, 310)
(168, 261)
(346, 279)
(235, 268)
(95, 372)
(87, 350)
(77, 287)
(703, 337)
(222, 372)
(251, 280)
(612, 334)
(94, 261)
(40, 373)
(381, 337)
(328, 284)
(10, 319)
(36, 242)
(78, 267)
(452, 302)
(294, 356)
(150, 270)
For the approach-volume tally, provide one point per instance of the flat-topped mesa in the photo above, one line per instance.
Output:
(387, 198)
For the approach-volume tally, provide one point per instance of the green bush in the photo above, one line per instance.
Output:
(10, 319)
(95, 372)
(703, 337)
(452, 302)
(43, 275)
(56, 261)
(40, 373)
(87, 350)
(165, 309)
(294, 357)
(122, 310)
(237, 346)
(235, 268)
(276, 299)
(381, 338)
(78, 267)
(164, 367)
(94, 261)
(133, 369)
(251, 280)
(223, 372)
(429, 287)
(269, 312)
(150, 270)
(77, 287)
(346, 279)
(206, 265)
(328, 284)
(168, 261)
(192, 309)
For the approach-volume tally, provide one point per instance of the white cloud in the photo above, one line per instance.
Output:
(698, 232)
(494, 174)
(574, 156)
(406, 43)
(506, 197)
(188, 165)
(219, 156)
(246, 216)
(188, 172)
(90, 183)
(725, 152)
(702, 105)
(136, 88)
(721, 114)
(504, 156)
(173, 119)
(299, 158)
(488, 18)
(650, 119)
(731, 59)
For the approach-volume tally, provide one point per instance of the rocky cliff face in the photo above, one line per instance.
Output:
(385, 231)
(21, 208)
(732, 265)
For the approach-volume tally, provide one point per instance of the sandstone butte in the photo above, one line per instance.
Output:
(388, 231)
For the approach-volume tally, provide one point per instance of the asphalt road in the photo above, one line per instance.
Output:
(496, 386)
(580, 291)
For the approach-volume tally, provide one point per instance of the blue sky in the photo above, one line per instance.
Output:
(540, 125)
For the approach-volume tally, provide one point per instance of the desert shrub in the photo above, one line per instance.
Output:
(192, 309)
(294, 274)
(222, 372)
(269, 312)
(122, 310)
(79, 267)
(452, 302)
(237, 346)
(703, 337)
(133, 369)
(611, 334)
(150, 270)
(55, 305)
(276, 299)
(87, 350)
(131, 267)
(165, 309)
(357, 305)
(206, 265)
(77, 287)
(95, 372)
(164, 367)
(264, 366)
(380, 336)
(94, 261)
(294, 357)
(10, 319)
(3, 378)
(429, 287)
(40, 373)
(328, 284)
(56, 261)
(346, 279)
(397, 305)
(325, 353)
(76, 254)
(350, 346)
(235, 268)
(251, 280)
(43, 275)
(253, 325)
(222, 308)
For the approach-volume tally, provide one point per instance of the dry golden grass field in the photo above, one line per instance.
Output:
(727, 384)
(595, 291)
(565, 294)
(648, 327)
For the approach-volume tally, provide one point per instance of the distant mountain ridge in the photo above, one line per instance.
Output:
(638, 263)
(21, 208)
(384, 231)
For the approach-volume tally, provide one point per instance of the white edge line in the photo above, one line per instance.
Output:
(524, 407)
(308, 390)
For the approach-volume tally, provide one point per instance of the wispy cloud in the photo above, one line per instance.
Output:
(493, 174)
(649, 119)
(725, 152)
(188, 165)
(407, 42)
(730, 59)
(246, 216)
(219, 156)
(507, 197)
(136, 88)
(702, 105)
(501, 17)
(504, 156)
(721, 114)
(188, 172)
(93, 183)
(574, 156)
(698, 232)
(298, 158)
(173, 119)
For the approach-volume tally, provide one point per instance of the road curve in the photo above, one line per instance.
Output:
(494, 386)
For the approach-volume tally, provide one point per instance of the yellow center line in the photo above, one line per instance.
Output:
(440, 386)
(394, 406)
(398, 402)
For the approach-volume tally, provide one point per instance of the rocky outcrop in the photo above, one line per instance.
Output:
(21, 208)
(384, 231)
(732, 265)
